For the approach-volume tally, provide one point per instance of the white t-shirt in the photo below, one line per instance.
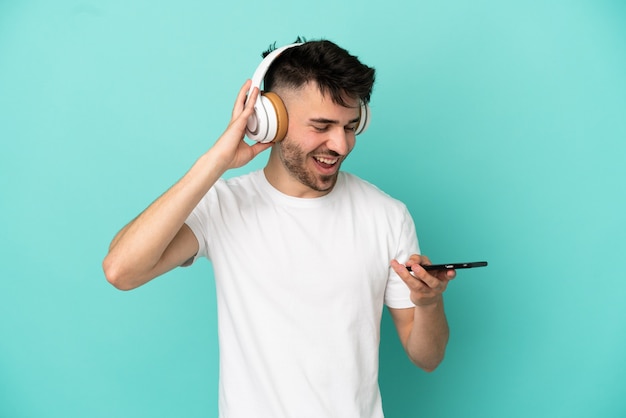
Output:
(301, 285)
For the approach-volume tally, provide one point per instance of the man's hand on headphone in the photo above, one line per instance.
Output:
(230, 146)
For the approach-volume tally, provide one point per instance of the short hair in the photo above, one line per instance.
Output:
(335, 71)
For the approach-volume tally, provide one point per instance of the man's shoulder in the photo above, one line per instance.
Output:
(237, 190)
(359, 186)
(354, 182)
(240, 182)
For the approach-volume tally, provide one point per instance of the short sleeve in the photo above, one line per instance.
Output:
(397, 293)
(197, 221)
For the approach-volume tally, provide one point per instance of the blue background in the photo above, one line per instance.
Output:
(501, 124)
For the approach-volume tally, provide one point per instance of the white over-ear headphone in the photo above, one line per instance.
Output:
(270, 121)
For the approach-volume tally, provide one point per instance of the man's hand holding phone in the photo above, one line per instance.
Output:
(426, 287)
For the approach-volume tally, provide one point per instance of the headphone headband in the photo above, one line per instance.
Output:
(259, 73)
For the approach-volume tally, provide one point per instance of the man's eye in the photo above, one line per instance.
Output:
(320, 128)
(351, 128)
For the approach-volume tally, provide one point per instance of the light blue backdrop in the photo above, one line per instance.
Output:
(501, 124)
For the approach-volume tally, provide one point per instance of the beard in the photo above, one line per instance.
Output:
(298, 164)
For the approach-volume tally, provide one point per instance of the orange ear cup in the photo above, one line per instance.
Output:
(282, 120)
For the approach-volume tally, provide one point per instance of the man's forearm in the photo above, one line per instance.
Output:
(429, 335)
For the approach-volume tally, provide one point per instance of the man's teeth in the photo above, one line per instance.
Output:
(329, 161)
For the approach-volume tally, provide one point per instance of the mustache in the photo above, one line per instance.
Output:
(327, 153)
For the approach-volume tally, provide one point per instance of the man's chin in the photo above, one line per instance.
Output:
(326, 183)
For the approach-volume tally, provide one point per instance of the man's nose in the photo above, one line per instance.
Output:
(340, 140)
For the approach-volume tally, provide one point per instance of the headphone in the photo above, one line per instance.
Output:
(269, 121)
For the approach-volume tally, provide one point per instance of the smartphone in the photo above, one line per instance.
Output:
(453, 266)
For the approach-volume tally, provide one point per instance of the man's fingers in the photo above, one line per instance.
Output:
(412, 280)
(243, 101)
(435, 280)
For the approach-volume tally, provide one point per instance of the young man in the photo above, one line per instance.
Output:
(305, 255)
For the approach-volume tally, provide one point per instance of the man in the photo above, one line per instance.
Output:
(305, 255)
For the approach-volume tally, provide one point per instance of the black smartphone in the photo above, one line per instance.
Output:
(453, 266)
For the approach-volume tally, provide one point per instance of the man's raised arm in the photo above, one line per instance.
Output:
(158, 240)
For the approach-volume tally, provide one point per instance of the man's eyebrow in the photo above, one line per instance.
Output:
(332, 121)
